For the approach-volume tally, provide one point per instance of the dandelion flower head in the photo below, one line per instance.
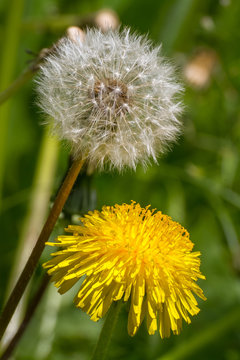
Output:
(113, 97)
(130, 253)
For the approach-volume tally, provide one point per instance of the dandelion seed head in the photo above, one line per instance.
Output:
(113, 97)
(133, 254)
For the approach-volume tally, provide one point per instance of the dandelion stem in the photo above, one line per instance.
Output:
(39, 247)
(107, 331)
(28, 316)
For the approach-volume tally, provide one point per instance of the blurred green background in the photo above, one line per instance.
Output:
(197, 183)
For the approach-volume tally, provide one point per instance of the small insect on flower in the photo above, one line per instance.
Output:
(128, 252)
(113, 97)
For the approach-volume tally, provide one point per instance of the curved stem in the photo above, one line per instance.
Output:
(106, 332)
(40, 244)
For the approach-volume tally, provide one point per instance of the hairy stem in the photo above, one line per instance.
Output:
(40, 244)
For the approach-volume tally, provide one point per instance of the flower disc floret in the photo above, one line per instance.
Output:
(130, 253)
(112, 96)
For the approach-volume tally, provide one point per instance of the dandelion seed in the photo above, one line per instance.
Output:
(130, 253)
(100, 92)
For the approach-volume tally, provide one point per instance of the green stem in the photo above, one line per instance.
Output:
(38, 207)
(228, 228)
(174, 22)
(16, 85)
(8, 60)
(51, 23)
(210, 334)
(58, 23)
(107, 331)
(39, 203)
(207, 184)
(26, 75)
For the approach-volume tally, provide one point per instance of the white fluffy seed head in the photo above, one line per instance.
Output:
(113, 97)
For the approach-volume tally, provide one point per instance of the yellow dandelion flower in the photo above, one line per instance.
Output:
(129, 252)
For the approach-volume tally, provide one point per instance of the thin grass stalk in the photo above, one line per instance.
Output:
(48, 324)
(8, 61)
(176, 19)
(31, 264)
(38, 207)
(207, 336)
(59, 22)
(26, 75)
(17, 84)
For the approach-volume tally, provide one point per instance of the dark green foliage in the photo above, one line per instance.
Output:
(197, 183)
